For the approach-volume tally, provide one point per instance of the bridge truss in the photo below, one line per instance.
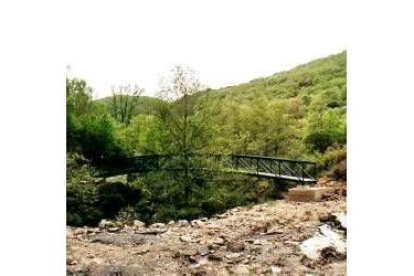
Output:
(285, 169)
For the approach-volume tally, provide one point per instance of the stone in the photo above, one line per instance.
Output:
(234, 256)
(312, 247)
(241, 270)
(341, 218)
(183, 222)
(221, 215)
(94, 230)
(138, 224)
(143, 249)
(153, 231)
(218, 241)
(114, 229)
(80, 231)
(236, 247)
(102, 224)
(203, 261)
(215, 257)
(213, 246)
(261, 242)
(197, 223)
(202, 251)
(157, 225)
(188, 252)
(71, 261)
(293, 243)
(274, 230)
(275, 270)
(193, 259)
(185, 238)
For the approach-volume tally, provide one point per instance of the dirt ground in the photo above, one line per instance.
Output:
(262, 240)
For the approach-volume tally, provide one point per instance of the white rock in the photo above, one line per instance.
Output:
(185, 238)
(114, 229)
(157, 225)
(341, 217)
(312, 247)
(139, 224)
(276, 270)
(218, 241)
(80, 231)
(102, 224)
(183, 222)
(232, 256)
(241, 270)
(197, 223)
(261, 242)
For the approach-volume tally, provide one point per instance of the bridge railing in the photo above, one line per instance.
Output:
(298, 170)
(289, 169)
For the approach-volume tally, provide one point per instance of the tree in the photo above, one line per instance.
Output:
(179, 114)
(184, 127)
(78, 97)
(78, 103)
(124, 102)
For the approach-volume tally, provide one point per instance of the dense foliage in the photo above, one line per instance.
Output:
(296, 114)
(300, 113)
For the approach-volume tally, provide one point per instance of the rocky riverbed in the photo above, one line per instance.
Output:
(276, 238)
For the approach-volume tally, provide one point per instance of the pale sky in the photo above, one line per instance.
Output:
(225, 42)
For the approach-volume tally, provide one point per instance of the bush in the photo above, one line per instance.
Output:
(319, 140)
(115, 196)
(81, 205)
(87, 204)
(127, 215)
(338, 172)
(77, 168)
(332, 156)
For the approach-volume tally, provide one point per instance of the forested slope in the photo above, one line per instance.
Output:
(300, 113)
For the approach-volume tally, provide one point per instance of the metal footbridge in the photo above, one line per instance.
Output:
(302, 171)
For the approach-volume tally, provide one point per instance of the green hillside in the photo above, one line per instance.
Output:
(325, 77)
(300, 113)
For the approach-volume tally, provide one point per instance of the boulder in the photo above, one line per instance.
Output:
(185, 238)
(218, 241)
(80, 231)
(157, 225)
(215, 257)
(138, 224)
(313, 247)
(183, 222)
(114, 229)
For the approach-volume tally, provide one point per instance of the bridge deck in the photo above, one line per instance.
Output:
(284, 177)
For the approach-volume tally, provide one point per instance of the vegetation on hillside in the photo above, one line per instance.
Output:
(300, 113)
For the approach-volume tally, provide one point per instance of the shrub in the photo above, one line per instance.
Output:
(127, 215)
(332, 156)
(87, 204)
(77, 168)
(81, 205)
(338, 172)
(115, 196)
(319, 140)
